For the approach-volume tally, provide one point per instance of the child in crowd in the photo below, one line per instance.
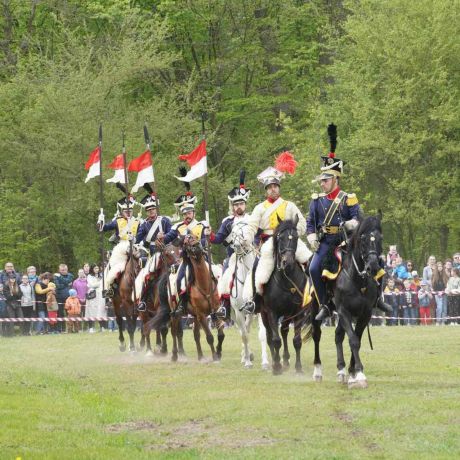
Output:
(73, 309)
(408, 303)
(391, 296)
(424, 300)
(3, 313)
(52, 307)
(392, 254)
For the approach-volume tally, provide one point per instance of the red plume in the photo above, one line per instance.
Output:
(285, 162)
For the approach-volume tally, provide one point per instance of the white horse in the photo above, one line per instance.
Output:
(232, 282)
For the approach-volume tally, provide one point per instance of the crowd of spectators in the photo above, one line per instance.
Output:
(52, 296)
(432, 298)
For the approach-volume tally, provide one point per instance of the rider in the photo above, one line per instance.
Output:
(263, 221)
(126, 228)
(148, 231)
(237, 197)
(185, 204)
(332, 216)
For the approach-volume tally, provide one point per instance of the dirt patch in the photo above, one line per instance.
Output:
(140, 425)
(344, 417)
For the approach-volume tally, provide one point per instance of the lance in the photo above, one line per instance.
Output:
(148, 144)
(101, 202)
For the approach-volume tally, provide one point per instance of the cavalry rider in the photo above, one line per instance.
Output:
(332, 216)
(147, 234)
(185, 204)
(263, 222)
(237, 198)
(126, 227)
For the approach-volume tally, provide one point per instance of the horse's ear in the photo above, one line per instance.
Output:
(279, 219)
(379, 215)
(296, 220)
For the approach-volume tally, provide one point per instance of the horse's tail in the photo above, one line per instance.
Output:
(162, 316)
(307, 327)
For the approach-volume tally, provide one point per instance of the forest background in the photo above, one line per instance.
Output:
(270, 75)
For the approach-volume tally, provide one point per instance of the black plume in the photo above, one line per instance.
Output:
(242, 176)
(183, 173)
(332, 133)
(121, 187)
(148, 187)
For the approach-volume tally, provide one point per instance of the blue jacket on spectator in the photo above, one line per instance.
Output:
(401, 272)
(63, 284)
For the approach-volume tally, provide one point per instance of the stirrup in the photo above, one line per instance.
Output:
(323, 313)
(141, 306)
(221, 312)
(108, 293)
(249, 307)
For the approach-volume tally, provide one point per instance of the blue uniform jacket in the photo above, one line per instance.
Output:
(144, 229)
(222, 234)
(175, 233)
(320, 204)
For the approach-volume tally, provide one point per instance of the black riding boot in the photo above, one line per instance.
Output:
(381, 305)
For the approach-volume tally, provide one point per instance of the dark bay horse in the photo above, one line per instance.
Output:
(167, 256)
(123, 303)
(203, 300)
(355, 293)
(283, 297)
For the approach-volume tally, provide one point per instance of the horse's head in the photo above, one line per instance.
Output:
(193, 247)
(241, 243)
(285, 243)
(171, 254)
(367, 241)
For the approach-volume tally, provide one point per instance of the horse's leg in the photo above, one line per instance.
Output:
(131, 323)
(174, 329)
(158, 341)
(263, 343)
(339, 336)
(220, 338)
(297, 343)
(241, 323)
(164, 343)
(275, 339)
(196, 336)
(121, 338)
(284, 335)
(180, 338)
(143, 339)
(147, 327)
(209, 337)
(316, 335)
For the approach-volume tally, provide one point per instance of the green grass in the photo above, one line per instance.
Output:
(78, 397)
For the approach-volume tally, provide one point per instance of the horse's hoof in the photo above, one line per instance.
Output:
(317, 373)
(174, 357)
(277, 370)
(122, 347)
(299, 371)
(132, 351)
(149, 354)
(182, 353)
(318, 378)
(286, 365)
(164, 352)
(265, 366)
(251, 356)
(248, 365)
(342, 377)
(357, 381)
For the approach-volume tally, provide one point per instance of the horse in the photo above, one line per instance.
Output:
(167, 256)
(354, 293)
(283, 296)
(203, 300)
(240, 264)
(123, 303)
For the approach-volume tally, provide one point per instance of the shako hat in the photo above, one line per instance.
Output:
(186, 201)
(332, 166)
(240, 193)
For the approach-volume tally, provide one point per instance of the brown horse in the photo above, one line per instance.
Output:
(123, 303)
(167, 256)
(203, 300)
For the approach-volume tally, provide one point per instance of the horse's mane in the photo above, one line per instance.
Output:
(284, 225)
(367, 225)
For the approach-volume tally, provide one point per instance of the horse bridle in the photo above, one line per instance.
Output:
(364, 257)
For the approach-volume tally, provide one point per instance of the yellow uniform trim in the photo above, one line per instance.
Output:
(279, 212)
(122, 223)
(351, 199)
(307, 294)
(196, 231)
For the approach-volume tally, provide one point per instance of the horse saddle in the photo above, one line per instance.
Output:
(332, 263)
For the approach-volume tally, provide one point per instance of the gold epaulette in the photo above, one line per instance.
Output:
(314, 196)
(351, 199)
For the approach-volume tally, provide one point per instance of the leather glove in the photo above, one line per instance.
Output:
(313, 241)
(100, 221)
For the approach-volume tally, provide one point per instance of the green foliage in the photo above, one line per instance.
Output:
(269, 75)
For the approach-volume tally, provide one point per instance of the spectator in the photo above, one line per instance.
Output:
(52, 308)
(32, 275)
(439, 283)
(86, 268)
(27, 303)
(9, 272)
(409, 266)
(453, 293)
(400, 273)
(95, 304)
(73, 309)
(416, 283)
(63, 281)
(13, 303)
(391, 296)
(424, 300)
(448, 267)
(81, 286)
(427, 274)
(392, 255)
(408, 303)
(3, 311)
(456, 260)
(41, 290)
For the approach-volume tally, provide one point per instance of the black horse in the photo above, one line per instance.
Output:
(355, 293)
(283, 296)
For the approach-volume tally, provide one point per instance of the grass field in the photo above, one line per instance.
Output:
(78, 397)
